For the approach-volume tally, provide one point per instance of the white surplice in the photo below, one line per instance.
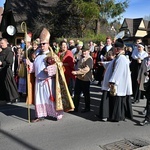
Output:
(44, 89)
(121, 76)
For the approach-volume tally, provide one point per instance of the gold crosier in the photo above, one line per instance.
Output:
(24, 29)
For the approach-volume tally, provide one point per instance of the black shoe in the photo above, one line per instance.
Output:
(145, 122)
(75, 110)
(98, 116)
(144, 112)
(51, 118)
(15, 101)
(135, 101)
(85, 110)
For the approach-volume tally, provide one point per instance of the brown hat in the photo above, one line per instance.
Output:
(45, 36)
(85, 48)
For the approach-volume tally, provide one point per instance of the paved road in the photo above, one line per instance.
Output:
(76, 131)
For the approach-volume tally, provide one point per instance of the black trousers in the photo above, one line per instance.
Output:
(82, 86)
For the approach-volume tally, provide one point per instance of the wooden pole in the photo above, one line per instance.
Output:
(24, 29)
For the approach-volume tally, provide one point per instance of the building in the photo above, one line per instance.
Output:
(131, 29)
(18, 11)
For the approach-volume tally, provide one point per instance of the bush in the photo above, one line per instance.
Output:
(87, 38)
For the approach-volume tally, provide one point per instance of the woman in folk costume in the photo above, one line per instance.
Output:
(49, 83)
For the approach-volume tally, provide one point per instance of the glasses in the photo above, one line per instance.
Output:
(43, 43)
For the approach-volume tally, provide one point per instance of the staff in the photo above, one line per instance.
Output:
(24, 29)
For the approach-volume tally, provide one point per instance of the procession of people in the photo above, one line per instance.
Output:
(58, 79)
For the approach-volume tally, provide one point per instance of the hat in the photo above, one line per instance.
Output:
(45, 35)
(80, 43)
(85, 48)
(119, 43)
(141, 44)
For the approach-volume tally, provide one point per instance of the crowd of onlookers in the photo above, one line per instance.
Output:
(102, 51)
(98, 55)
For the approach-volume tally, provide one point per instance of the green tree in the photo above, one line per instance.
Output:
(72, 18)
(110, 10)
(88, 12)
(75, 16)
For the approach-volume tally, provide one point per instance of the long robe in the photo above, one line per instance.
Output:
(122, 79)
(47, 87)
(8, 87)
(105, 108)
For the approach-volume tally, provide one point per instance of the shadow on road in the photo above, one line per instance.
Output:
(17, 111)
(96, 93)
(21, 112)
(20, 142)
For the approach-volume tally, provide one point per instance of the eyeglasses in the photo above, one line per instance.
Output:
(43, 43)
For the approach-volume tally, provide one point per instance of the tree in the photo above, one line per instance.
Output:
(110, 10)
(88, 12)
(74, 16)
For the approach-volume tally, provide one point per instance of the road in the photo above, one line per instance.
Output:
(76, 131)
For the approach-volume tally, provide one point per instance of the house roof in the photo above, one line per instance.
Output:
(27, 10)
(134, 25)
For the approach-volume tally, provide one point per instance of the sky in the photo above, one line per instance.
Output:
(136, 9)
(2, 3)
